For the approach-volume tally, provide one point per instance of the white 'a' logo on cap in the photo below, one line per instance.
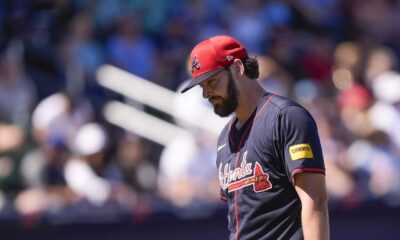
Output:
(229, 57)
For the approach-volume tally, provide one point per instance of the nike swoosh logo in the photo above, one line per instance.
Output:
(221, 147)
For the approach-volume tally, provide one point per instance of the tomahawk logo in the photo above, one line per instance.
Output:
(195, 64)
(243, 176)
(259, 180)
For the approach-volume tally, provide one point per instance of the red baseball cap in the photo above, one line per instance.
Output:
(211, 56)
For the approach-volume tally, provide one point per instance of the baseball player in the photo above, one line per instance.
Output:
(269, 157)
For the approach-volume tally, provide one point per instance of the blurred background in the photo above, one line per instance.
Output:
(97, 143)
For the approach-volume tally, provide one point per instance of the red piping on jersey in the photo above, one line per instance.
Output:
(299, 170)
(237, 158)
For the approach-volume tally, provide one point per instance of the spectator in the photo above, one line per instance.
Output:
(130, 49)
(87, 173)
(187, 175)
(135, 168)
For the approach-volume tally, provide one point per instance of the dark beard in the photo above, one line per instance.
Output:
(230, 103)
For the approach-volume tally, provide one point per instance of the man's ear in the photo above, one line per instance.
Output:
(238, 67)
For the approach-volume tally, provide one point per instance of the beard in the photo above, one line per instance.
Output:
(230, 103)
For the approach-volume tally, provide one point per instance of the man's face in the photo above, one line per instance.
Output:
(222, 93)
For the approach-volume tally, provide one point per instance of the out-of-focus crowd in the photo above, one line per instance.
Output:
(339, 58)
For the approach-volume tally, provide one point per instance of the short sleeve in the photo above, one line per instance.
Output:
(301, 144)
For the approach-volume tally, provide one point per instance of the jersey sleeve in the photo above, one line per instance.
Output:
(301, 144)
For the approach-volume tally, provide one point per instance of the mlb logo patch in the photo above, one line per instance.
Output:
(300, 151)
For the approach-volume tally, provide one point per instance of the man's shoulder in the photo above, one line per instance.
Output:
(282, 107)
(281, 102)
(289, 111)
(274, 105)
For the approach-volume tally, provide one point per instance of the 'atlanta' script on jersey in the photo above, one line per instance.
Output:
(244, 176)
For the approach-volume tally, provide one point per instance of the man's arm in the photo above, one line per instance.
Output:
(314, 200)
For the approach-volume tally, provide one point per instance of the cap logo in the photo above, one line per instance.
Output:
(229, 57)
(195, 64)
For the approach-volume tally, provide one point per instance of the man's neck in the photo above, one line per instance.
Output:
(248, 101)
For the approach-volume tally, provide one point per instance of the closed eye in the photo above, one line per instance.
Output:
(208, 82)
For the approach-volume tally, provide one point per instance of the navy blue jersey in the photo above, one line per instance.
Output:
(256, 166)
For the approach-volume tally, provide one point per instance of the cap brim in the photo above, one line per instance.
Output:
(197, 80)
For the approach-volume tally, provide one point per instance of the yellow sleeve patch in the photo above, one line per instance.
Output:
(300, 151)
